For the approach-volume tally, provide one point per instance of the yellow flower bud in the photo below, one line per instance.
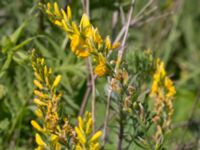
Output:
(39, 113)
(96, 136)
(39, 102)
(56, 81)
(38, 84)
(85, 23)
(39, 140)
(40, 94)
(89, 126)
(56, 9)
(37, 76)
(36, 125)
(48, 6)
(69, 13)
(58, 23)
(81, 137)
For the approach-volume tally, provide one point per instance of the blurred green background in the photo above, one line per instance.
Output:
(171, 28)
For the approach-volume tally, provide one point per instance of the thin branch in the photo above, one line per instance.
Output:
(86, 4)
(93, 93)
(86, 96)
(120, 55)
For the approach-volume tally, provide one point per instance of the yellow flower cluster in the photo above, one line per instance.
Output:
(47, 98)
(85, 139)
(85, 39)
(163, 92)
(50, 133)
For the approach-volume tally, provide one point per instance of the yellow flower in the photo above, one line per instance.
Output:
(101, 69)
(84, 140)
(56, 9)
(56, 81)
(79, 46)
(85, 27)
(96, 136)
(169, 85)
(81, 137)
(38, 84)
(39, 113)
(39, 140)
(39, 102)
(39, 148)
(108, 43)
(36, 126)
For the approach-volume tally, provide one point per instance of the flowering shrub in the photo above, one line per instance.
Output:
(101, 75)
(85, 41)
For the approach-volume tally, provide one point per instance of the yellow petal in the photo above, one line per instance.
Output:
(56, 81)
(40, 94)
(108, 43)
(48, 6)
(38, 84)
(81, 137)
(89, 126)
(39, 140)
(84, 21)
(115, 45)
(37, 76)
(64, 15)
(39, 148)
(80, 121)
(96, 136)
(53, 138)
(39, 102)
(58, 23)
(69, 13)
(39, 113)
(36, 125)
(56, 9)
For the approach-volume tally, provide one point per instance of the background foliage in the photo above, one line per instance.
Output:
(174, 37)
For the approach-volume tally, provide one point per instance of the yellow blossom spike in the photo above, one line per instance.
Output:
(39, 140)
(56, 81)
(39, 102)
(38, 84)
(56, 9)
(96, 136)
(36, 125)
(85, 23)
(81, 137)
(69, 13)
